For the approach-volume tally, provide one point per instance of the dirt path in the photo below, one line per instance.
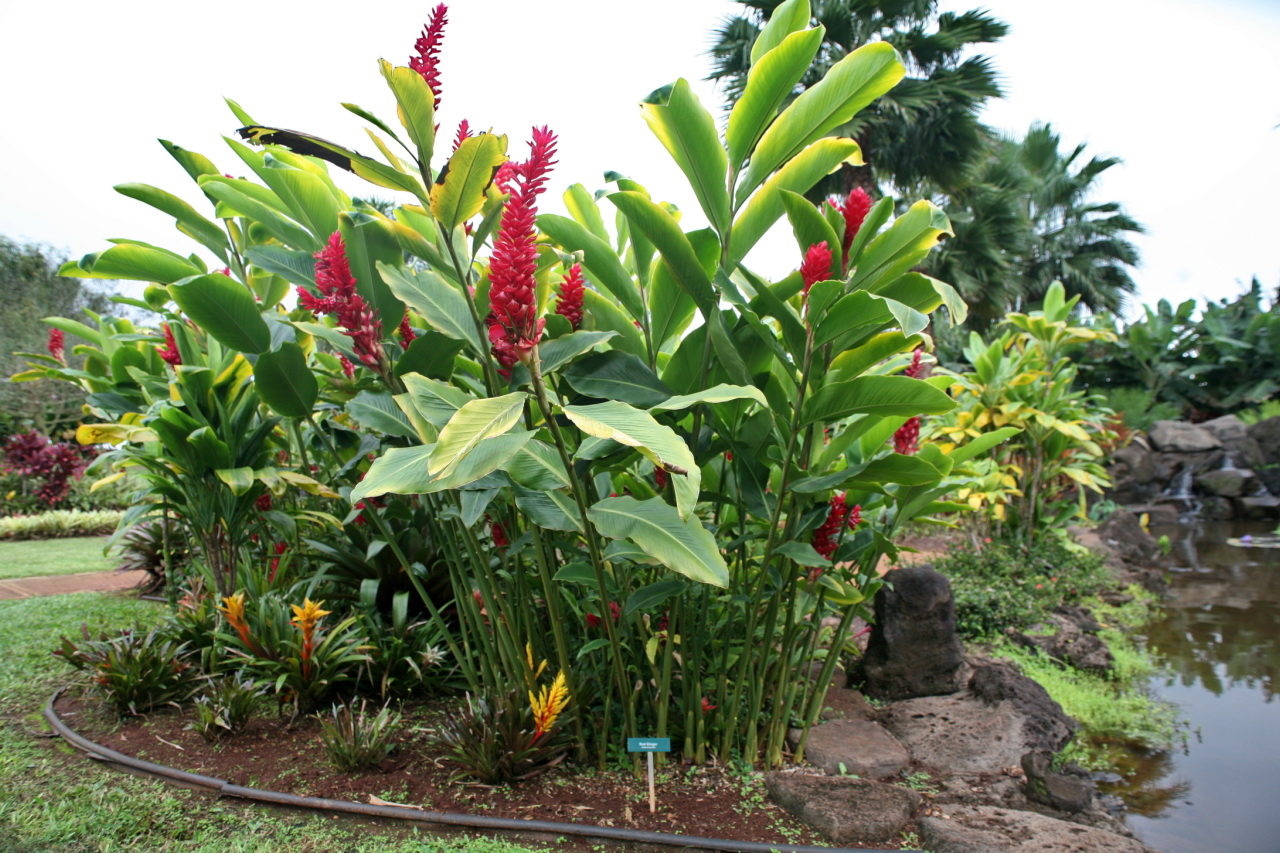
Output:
(60, 584)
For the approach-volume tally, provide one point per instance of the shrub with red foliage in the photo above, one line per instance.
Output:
(52, 464)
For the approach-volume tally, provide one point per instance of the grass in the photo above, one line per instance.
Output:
(53, 557)
(53, 799)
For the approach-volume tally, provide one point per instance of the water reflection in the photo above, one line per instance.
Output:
(1218, 638)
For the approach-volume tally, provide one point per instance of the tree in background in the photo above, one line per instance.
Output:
(33, 290)
(923, 133)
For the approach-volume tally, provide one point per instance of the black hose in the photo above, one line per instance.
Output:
(611, 833)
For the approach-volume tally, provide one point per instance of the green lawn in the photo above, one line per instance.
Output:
(38, 557)
(54, 799)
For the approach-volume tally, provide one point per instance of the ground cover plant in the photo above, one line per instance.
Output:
(603, 459)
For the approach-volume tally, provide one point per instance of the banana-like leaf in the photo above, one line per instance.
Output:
(771, 81)
(681, 544)
(472, 424)
(606, 316)
(615, 375)
(440, 304)
(415, 105)
(784, 21)
(875, 395)
(224, 309)
(239, 480)
(293, 265)
(133, 261)
(189, 221)
(285, 383)
(598, 259)
(688, 132)
(459, 191)
(582, 207)
(313, 146)
(400, 471)
(371, 241)
(548, 510)
(717, 394)
(673, 244)
(850, 84)
(538, 466)
(310, 200)
(378, 410)
(243, 200)
(810, 227)
(904, 244)
(635, 428)
(435, 401)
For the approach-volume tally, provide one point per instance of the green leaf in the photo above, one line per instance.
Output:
(582, 207)
(293, 265)
(313, 146)
(415, 105)
(688, 132)
(672, 243)
(896, 468)
(400, 471)
(560, 351)
(370, 242)
(982, 444)
(659, 443)
(598, 259)
(717, 394)
(901, 246)
(133, 261)
(579, 572)
(224, 309)
(307, 196)
(488, 456)
(875, 395)
(770, 82)
(459, 190)
(239, 196)
(615, 375)
(189, 221)
(786, 19)
(798, 175)
(285, 383)
(378, 410)
(811, 228)
(671, 309)
(849, 85)
(435, 401)
(441, 304)
(472, 424)
(538, 466)
(431, 354)
(604, 315)
(651, 596)
(682, 545)
(544, 510)
(803, 554)
(239, 480)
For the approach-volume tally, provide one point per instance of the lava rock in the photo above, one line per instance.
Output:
(1257, 508)
(1226, 429)
(1082, 617)
(990, 829)
(1227, 482)
(914, 649)
(1068, 644)
(1126, 538)
(846, 704)
(855, 747)
(1047, 726)
(1267, 434)
(1069, 791)
(1181, 437)
(1218, 509)
(846, 811)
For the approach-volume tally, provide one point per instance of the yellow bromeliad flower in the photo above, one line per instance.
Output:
(548, 704)
(233, 609)
(528, 655)
(308, 615)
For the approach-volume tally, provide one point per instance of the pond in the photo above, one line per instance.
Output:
(1218, 639)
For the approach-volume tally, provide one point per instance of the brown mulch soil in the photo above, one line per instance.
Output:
(707, 801)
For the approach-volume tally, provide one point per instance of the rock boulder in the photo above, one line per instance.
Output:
(846, 811)
(1182, 437)
(914, 649)
(989, 829)
(855, 747)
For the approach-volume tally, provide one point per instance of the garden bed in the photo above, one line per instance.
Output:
(709, 801)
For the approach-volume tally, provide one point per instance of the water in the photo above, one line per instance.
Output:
(1219, 639)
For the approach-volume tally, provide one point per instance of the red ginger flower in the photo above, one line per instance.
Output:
(707, 707)
(57, 348)
(816, 267)
(263, 503)
(854, 209)
(916, 367)
(569, 300)
(464, 133)
(826, 537)
(338, 297)
(427, 62)
(907, 439)
(169, 352)
(514, 328)
(498, 532)
(593, 621)
(406, 331)
(660, 477)
(347, 367)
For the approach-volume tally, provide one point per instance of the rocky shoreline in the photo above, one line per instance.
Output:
(969, 740)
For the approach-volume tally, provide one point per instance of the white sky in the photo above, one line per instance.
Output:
(1184, 91)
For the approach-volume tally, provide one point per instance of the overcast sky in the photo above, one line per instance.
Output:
(1185, 92)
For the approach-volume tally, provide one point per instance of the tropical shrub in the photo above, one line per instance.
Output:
(60, 523)
(135, 672)
(356, 739)
(44, 469)
(404, 657)
(226, 706)
(611, 446)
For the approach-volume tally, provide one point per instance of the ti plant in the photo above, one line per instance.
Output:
(619, 443)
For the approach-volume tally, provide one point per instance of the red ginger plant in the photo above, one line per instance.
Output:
(169, 352)
(907, 439)
(57, 348)
(338, 297)
(569, 299)
(427, 62)
(827, 537)
(854, 210)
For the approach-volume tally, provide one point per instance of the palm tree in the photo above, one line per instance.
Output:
(924, 131)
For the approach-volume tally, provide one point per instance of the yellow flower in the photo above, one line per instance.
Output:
(528, 656)
(306, 616)
(548, 704)
(233, 608)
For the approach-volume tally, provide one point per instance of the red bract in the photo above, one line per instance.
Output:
(907, 439)
(854, 210)
(816, 267)
(569, 300)
(498, 532)
(406, 331)
(707, 707)
(427, 62)
(515, 327)
(916, 367)
(56, 347)
(338, 297)
(593, 621)
(660, 478)
(280, 548)
(464, 132)
(169, 352)
(347, 367)
(827, 537)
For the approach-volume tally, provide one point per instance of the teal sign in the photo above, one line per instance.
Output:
(648, 744)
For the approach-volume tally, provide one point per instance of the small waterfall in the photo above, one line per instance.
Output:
(1179, 492)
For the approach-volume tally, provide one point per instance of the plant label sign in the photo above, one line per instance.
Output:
(650, 745)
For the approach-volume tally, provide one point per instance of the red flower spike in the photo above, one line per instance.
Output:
(406, 331)
(514, 328)
(816, 267)
(569, 299)
(464, 132)
(707, 707)
(826, 538)
(660, 478)
(347, 367)
(427, 62)
(854, 209)
(498, 531)
(57, 348)
(593, 621)
(916, 367)
(226, 271)
(907, 439)
(169, 352)
(338, 297)
(855, 516)
(280, 548)
(263, 503)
